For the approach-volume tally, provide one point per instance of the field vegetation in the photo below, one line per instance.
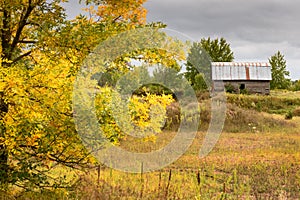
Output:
(256, 157)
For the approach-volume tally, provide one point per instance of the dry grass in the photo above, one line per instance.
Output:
(285, 94)
(256, 157)
(241, 166)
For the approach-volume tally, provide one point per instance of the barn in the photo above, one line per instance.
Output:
(250, 77)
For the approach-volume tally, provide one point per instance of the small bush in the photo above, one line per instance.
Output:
(296, 86)
(229, 88)
(202, 95)
(200, 83)
(173, 117)
(289, 115)
(244, 91)
(145, 115)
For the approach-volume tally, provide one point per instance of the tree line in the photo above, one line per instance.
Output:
(218, 50)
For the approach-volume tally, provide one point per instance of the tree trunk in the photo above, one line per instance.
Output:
(3, 149)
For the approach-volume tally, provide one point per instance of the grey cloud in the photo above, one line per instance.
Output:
(255, 29)
(269, 20)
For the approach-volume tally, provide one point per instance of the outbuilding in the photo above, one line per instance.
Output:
(239, 77)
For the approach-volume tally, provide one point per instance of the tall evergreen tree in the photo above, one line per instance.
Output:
(279, 72)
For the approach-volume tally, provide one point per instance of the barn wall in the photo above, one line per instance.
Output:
(253, 87)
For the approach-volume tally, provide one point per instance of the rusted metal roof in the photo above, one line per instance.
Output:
(241, 71)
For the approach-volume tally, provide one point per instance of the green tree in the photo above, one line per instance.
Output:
(132, 81)
(168, 75)
(198, 66)
(218, 49)
(296, 85)
(198, 62)
(279, 72)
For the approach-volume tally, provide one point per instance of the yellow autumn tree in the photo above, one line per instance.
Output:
(24, 29)
(41, 53)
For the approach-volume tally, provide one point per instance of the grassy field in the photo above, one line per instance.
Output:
(241, 166)
(256, 157)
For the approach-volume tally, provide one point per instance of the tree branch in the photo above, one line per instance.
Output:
(21, 56)
(27, 41)
(5, 34)
(32, 23)
(117, 18)
(22, 24)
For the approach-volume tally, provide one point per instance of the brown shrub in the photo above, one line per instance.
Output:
(202, 95)
(173, 117)
(296, 112)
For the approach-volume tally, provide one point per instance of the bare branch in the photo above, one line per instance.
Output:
(27, 41)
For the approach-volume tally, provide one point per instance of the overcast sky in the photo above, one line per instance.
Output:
(255, 29)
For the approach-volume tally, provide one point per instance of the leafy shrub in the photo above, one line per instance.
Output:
(200, 83)
(142, 115)
(148, 113)
(296, 86)
(244, 91)
(289, 115)
(229, 88)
